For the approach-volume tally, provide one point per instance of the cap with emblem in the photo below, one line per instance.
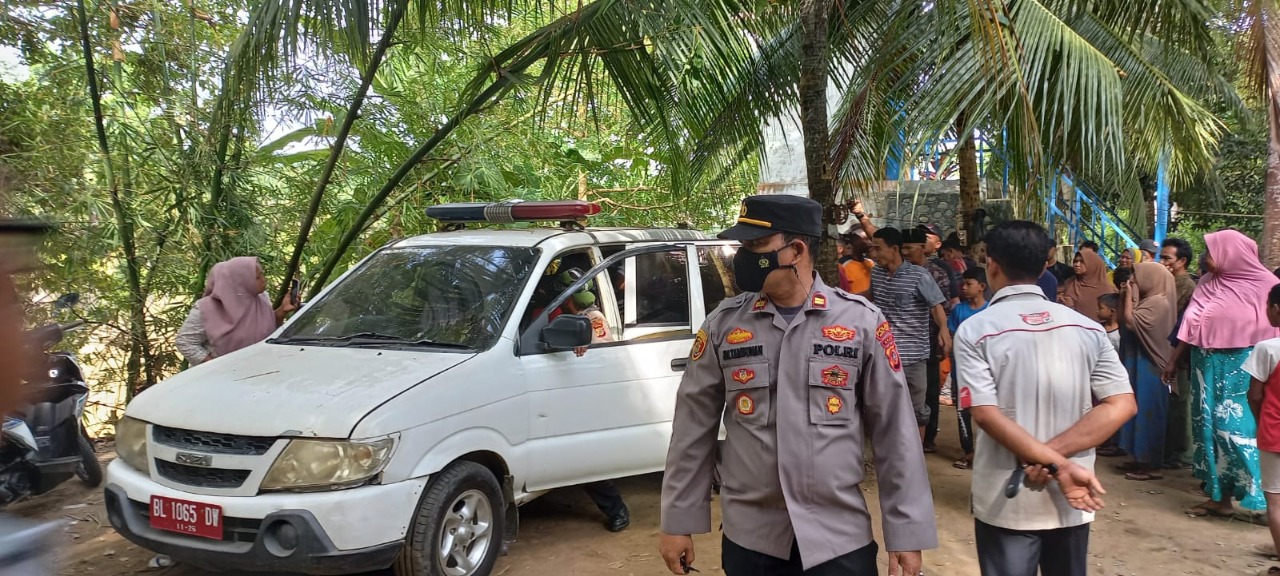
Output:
(766, 214)
(914, 236)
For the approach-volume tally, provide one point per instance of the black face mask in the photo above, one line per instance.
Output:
(751, 268)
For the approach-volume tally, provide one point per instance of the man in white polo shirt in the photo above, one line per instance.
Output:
(1028, 371)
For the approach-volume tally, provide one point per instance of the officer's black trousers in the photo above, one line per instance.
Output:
(1003, 552)
(606, 497)
(739, 561)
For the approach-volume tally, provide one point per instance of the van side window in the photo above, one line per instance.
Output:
(715, 265)
(549, 282)
(661, 290)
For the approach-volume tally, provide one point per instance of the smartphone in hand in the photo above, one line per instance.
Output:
(293, 291)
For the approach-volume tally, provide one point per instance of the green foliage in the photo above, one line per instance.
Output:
(203, 178)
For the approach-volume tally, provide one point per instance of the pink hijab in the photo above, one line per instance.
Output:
(1229, 307)
(235, 315)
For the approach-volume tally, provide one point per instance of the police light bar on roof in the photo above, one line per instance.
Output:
(513, 211)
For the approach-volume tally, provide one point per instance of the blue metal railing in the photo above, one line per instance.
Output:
(1088, 218)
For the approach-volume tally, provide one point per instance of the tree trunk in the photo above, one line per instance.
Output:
(815, 125)
(970, 180)
(1269, 245)
(339, 143)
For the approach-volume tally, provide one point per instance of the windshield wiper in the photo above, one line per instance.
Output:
(368, 339)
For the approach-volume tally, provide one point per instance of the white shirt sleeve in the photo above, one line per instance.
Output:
(973, 372)
(1109, 376)
(1262, 361)
(191, 341)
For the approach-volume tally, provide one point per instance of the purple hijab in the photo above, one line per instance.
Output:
(235, 313)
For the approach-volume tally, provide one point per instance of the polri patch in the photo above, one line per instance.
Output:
(597, 326)
(699, 345)
(746, 406)
(834, 350)
(834, 404)
(838, 333)
(739, 336)
(835, 376)
(744, 375)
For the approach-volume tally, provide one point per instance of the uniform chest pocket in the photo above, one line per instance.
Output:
(746, 388)
(832, 390)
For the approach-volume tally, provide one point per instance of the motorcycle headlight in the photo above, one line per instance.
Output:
(131, 443)
(328, 464)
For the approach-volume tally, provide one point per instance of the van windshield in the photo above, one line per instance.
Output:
(430, 297)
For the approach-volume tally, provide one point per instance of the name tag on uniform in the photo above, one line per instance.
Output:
(742, 352)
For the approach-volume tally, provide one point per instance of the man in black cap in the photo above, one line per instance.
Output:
(910, 299)
(800, 374)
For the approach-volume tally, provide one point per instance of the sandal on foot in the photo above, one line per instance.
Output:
(1143, 476)
(1201, 511)
(962, 464)
(1130, 467)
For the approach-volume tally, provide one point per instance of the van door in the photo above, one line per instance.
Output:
(608, 413)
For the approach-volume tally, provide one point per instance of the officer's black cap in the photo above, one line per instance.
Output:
(765, 214)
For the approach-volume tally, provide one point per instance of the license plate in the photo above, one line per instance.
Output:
(186, 517)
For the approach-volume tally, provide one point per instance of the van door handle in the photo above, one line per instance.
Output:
(679, 364)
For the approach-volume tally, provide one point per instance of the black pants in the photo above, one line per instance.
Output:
(964, 422)
(931, 392)
(606, 496)
(739, 561)
(1061, 552)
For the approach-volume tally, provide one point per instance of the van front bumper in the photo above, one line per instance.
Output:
(355, 530)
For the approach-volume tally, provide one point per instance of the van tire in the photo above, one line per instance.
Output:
(465, 494)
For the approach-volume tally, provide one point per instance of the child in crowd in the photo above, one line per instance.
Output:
(1264, 400)
(1109, 317)
(972, 301)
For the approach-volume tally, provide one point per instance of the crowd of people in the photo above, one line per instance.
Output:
(1145, 362)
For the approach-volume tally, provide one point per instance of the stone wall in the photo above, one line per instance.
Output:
(908, 203)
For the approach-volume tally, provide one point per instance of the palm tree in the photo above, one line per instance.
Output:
(1101, 89)
(1261, 44)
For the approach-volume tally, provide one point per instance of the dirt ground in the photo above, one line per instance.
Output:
(1141, 532)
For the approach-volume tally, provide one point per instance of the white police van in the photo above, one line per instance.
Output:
(401, 417)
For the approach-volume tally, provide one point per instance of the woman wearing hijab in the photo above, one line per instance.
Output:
(1226, 317)
(1082, 290)
(1129, 258)
(1148, 305)
(233, 313)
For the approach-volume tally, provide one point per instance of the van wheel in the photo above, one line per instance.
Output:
(457, 530)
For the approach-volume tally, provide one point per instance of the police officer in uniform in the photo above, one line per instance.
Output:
(801, 373)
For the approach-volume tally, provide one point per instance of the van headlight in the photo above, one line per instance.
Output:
(131, 443)
(328, 464)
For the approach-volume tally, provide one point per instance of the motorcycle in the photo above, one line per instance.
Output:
(44, 443)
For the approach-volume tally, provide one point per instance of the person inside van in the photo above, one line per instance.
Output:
(235, 312)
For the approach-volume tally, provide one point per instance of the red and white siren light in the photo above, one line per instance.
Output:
(513, 211)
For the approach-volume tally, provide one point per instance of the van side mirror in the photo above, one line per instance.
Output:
(566, 332)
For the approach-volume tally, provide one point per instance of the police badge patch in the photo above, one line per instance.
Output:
(699, 345)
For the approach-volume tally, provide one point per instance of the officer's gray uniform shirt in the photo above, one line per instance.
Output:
(797, 400)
